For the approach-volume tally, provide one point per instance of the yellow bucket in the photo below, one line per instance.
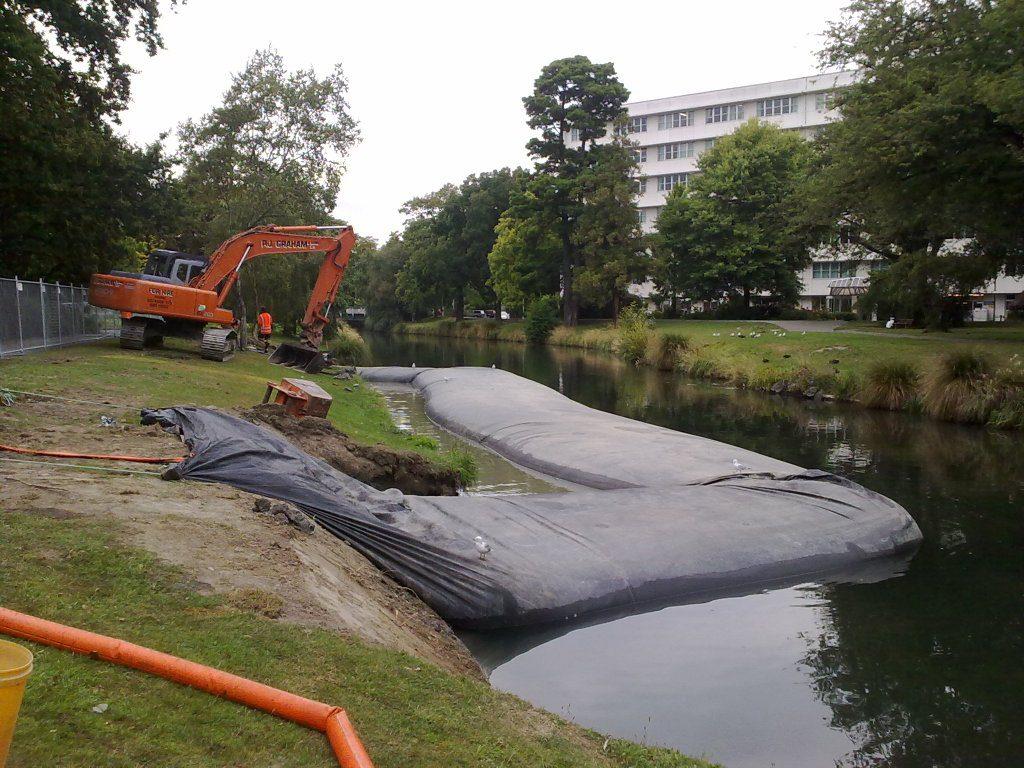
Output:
(15, 667)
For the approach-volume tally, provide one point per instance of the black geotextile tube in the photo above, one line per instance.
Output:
(557, 556)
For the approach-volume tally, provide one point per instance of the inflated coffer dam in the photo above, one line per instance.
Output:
(660, 514)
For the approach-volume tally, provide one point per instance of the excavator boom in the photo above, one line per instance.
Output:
(171, 301)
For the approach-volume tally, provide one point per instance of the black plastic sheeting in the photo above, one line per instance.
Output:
(558, 556)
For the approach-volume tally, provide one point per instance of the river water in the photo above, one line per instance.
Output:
(916, 664)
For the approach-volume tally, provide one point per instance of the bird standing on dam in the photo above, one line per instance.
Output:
(482, 546)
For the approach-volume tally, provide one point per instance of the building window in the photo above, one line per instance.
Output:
(709, 143)
(675, 120)
(574, 134)
(675, 151)
(640, 186)
(639, 155)
(641, 215)
(724, 113)
(671, 180)
(831, 270)
(638, 125)
(782, 105)
(824, 101)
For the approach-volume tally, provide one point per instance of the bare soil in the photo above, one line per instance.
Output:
(214, 534)
(376, 465)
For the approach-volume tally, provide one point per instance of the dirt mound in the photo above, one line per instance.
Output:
(376, 465)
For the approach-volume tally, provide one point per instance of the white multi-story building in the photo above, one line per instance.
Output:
(673, 132)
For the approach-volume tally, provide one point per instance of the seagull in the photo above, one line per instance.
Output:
(494, 365)
(413, 365)
(482, 546)
(735, 462)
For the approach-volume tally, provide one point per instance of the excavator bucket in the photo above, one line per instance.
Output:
(300, 357)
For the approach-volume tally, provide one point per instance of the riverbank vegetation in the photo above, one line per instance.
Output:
(878, 371)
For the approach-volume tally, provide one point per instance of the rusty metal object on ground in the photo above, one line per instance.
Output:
(300, 397)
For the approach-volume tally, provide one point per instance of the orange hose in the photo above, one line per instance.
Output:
(108, 456)
(329, 720)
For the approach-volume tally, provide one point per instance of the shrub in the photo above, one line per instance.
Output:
(541, 318)
(960, 388)
(1009, 414)
(634, 333)
(349, 348)
(464, 463)
(701, 367)
(663, 349)
(891, 385)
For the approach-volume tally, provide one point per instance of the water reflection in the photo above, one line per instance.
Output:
(922, 670)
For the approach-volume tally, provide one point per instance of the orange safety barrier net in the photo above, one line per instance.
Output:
(329, 720)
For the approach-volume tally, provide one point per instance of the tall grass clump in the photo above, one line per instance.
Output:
(664, 349)
(891, 385)
(348, 348)
(960, 387)
(1008, 409)
(541, 318)
(634, 333)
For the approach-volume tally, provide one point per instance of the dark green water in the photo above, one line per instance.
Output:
(916, 665)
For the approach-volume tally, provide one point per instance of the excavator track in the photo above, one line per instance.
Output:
(219, 344)
(139, 332)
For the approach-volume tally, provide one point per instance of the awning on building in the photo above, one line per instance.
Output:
(848, 286)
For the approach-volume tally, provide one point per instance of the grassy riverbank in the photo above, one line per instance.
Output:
(175, 375)
(844, 365)
(408, 713)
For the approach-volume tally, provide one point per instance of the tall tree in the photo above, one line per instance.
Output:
(731, 230)
(272, 153)
(572, 97)
(931, 144)
(524, 261)
(450, 236)
(75, 197)
(611, 246)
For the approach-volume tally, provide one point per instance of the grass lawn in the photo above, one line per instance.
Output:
(836, 361)
(764, 357)
(176, 375)
(407, 712)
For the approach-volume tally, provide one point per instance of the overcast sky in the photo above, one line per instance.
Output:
(437, 86)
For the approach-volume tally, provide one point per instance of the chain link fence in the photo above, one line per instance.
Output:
(38, 315)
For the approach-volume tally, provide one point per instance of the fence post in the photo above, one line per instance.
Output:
(17, 303)
(42, 308)
(60, 336)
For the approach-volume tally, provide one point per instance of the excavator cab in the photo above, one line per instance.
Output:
(176, 266)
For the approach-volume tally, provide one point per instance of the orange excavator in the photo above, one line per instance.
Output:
(179, 294)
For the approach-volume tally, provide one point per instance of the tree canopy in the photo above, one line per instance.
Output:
(74, 196)
(572, 104)
(272, 152)
(931, 144)
(730, 231)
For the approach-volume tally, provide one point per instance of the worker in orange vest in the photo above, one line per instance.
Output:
(264, 326)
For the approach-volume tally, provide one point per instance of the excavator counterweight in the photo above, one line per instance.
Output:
(183, 295)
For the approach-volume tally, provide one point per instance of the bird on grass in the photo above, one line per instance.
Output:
(740, 466)
(482, 546)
